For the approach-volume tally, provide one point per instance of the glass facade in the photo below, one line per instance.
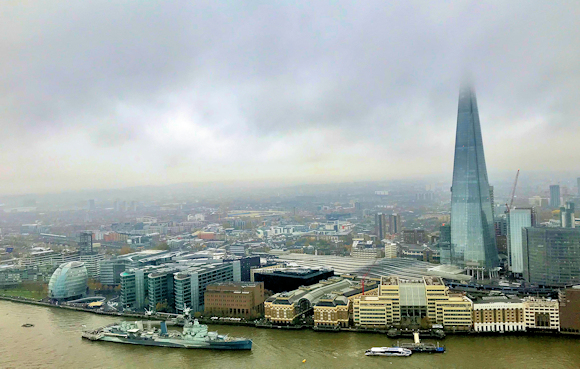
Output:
(68, 282)
(517, 219)
(551, 256)
(554, 196)
(472, 228)
(445, 244)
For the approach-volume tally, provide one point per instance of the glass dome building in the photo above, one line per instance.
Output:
(68, 282)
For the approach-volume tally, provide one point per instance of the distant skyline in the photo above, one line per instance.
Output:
(101, 95)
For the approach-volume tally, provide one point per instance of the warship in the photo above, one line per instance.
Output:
(193, 336)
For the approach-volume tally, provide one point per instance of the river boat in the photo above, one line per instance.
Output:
(193, 336)
(388, 351)
(418, 346)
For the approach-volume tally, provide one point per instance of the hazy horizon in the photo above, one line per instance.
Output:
(116, 95)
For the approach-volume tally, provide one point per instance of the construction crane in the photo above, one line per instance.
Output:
(508, 207)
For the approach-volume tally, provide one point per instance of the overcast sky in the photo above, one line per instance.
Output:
(99, 94)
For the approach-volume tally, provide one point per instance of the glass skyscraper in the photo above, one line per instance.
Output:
(517, 220)
(551, 256)
(472, 229)
(554, 196)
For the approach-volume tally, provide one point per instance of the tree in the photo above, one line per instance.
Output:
(161, 306)
(161, 246)
(425, 323)
(94, 285)
(125, 250)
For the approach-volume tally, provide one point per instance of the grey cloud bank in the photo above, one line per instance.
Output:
(101, 95)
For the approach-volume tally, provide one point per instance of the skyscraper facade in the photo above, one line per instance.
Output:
(380, 225)
(394, 223)
(516, 220)
(554, 196)
(472, 229)
(567, 216)
(551, 256)
(86, 243)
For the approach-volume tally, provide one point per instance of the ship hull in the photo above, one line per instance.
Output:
(229, 345)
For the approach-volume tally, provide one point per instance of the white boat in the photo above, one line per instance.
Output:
(388, 351)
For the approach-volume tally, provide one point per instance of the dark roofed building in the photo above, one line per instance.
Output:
(289, 279)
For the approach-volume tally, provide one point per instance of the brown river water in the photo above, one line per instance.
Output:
(55, 342)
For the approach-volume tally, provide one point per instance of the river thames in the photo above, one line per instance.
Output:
(55, 342)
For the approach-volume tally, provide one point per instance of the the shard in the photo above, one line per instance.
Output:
(472, 230)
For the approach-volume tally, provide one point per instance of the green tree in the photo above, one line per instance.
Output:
(161, 246)
(161, 306)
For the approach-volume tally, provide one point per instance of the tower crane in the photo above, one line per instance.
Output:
(508, 207)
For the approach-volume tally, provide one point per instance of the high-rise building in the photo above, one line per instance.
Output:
(394, 223)
(380, 226)
(86, 243)
(554, 196)
(578, 183)
(517, 219)
(414, 236)
(472, 230)
(567, 216)
(492, 200)
(551, 256)
(445, 244)
(91, 205)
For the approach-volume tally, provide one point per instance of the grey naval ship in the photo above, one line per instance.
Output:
(193, 336)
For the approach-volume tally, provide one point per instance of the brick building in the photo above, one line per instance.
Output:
(570, 310)
(235, 299)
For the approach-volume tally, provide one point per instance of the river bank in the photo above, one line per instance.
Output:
(253, 324)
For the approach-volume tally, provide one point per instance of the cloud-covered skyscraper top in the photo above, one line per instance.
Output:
(472, 233)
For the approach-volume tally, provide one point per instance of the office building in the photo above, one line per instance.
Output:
(569, 299)
(190, 285)
(68, 282)
(394, 223)
(246, 265)
(91, 262)
(445, 244)
(91, 205)
(235, 299)
(555, 196)
(391, 250)
(86, 243)
(518, 218)
(412, 303)
(551, 256)
(472, 230)
(289, 279)
(174, 285)
(133, 289)
(414, 236)
(364, 250)
(380, 226)
(567, 217)
(500, 225)
(110, 271)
